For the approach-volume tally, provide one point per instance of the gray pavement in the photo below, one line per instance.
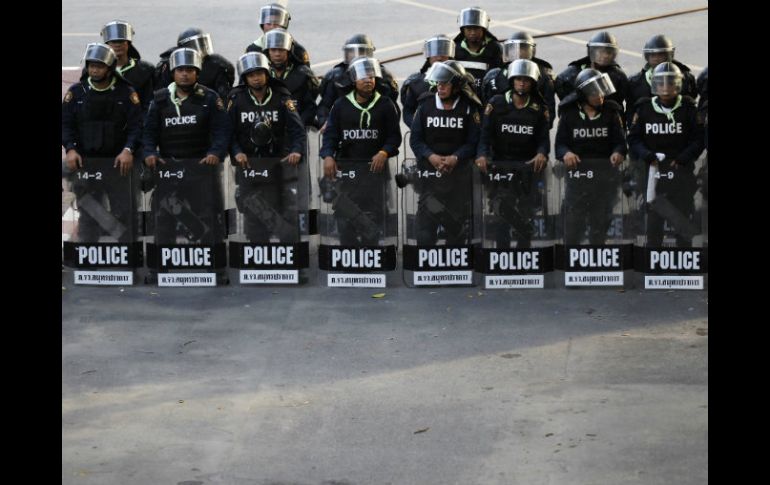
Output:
(311, 386)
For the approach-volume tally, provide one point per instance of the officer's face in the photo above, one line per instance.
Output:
(257, 80)
(603, 56)
(433, 59)
(268, 27)
(365, 86)
(596, 100)
(655, 58)
(278, 56)
(97, 71)
(120, 47)
(474, 35)
(185, 76)
(444, 90)
(522, 84)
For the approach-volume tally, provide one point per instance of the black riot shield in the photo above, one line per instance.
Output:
(441, 219)
(99, 223)
(672, 251)
(269, 245)
(595, 248)
(517, 234)
(358, 224)
(187, 246)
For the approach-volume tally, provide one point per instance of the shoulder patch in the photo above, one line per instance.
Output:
(476, 117)
(305, 58)
(200, 91)
(290, 105)
(488, 109)
(394, 85)
(220, 104)
(229, 104)
(68, 97)
(636, 117)
(535, 106)
(134, 97)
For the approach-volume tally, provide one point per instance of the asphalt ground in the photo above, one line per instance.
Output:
(312, 385)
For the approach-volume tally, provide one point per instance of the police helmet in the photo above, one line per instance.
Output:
(666, 79)
(659, 43)
(185, 57)
(520, 45)
(473, 17)
(278, 38)
(447, 72)
(252, 61)
(364, 67)
(117, 30)
(524, 68)
(274, 14)
(98, 52)
(590, 82)
(602, 48)
(360, 45)
(194, 38)
(261, 133)
(440, 45)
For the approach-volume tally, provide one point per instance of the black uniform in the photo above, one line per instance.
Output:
(639, 87)
(303, 86)
(478, 63)
(185, 134)
(510, 137)
(354, 134)
(592, 193)
(337, 83)
(565, 81)
(679, 136)
(414, 86)
(100, 124)
(288, 135)
(496, 82)
(297, 54)
(216, 73)
(445, 199)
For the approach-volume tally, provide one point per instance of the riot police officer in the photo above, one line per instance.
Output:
(666, 135)
(275, 16)
(514, 131)
(602, 51)
(216, 72)
(477, 49)
(445, 132)
(362, 131)
(436, 49)
(101, 118)
(656, 50)
(298, 78)
(521, 45)
(119, 35)
(266, 124)
(336, 82)
(187, 120)
(590, 127)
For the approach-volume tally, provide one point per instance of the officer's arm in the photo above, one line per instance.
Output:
(563, 142)
(695, 141)
(636, 142)
(468, 149)
(296, 130)
(309, 107)
(232, 113)
(151, 130)
(408, 101)
(416, 140)
(68, 125)
(618, 135)
(549, 94)
(221, 128)
(133, 124)
(485, 140)
(393, 140)
(328, 96)
(542, 136)
(331, 137)
(563, 83)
